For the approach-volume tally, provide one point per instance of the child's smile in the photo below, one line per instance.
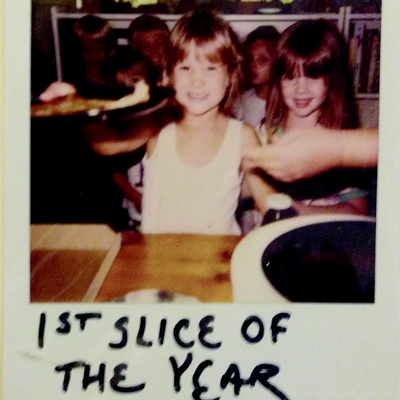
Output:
(197, 96)
(302, 103)
(304, 96)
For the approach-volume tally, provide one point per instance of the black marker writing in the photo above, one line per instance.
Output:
(65, 327)
(119, 377)
(121, 324)
(161, 334)
(232, 376)
(42, 325)
(179, 370)
(275, 328)
(88, 379)
(67, 368)
(183, 323)
(198, 388)
(139, 339)
(85, 317)
(205, 329)
(262, 373)
(245, 326)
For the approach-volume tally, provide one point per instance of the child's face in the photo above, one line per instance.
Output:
(129, 77)
(94, 54)
(154, 46)
(259, 57)
(200, 85)
(304, 95)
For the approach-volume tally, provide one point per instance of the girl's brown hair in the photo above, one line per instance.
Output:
(319, 50)
(218, 43)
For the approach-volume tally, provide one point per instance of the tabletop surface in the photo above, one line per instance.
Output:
(193, 265)
(75, 263)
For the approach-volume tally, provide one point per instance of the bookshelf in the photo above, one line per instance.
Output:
(364, 37)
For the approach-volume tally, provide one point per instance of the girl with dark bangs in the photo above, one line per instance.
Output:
(313, 49)
(309, 88)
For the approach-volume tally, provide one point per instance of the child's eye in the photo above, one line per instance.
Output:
(183, 68)
(211, 68)
(288, 77)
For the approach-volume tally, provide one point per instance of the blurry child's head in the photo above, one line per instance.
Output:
(310, 74)
(150, 36)
(97, 43)
(131, 68)
(258, 50)
(203, 37)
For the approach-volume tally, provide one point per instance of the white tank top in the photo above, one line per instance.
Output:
(179, 198)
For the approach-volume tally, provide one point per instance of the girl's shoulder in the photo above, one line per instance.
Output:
(244, 127)
(152, 142)
(249, 136)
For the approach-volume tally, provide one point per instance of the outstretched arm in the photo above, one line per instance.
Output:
(302, 154)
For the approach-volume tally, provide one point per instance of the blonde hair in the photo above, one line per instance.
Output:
(218, 43)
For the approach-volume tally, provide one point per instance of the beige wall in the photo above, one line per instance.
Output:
(368, 110)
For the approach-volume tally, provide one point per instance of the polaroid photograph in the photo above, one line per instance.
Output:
(199, 200)
(92, 211)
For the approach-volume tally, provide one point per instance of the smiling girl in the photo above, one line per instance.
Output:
(310, 90)
(193, 178)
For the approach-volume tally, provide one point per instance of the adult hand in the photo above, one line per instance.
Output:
(297, 154)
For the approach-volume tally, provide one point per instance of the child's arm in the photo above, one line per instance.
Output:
(253, 184)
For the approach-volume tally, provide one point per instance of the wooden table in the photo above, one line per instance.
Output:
(92, 263)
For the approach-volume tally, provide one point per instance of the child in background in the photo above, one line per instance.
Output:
(132, 67)
(148, 44)
(93, 73)
(149, 35)
(193, 177)
(309, 88)
(258, 51)
(97, 46)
